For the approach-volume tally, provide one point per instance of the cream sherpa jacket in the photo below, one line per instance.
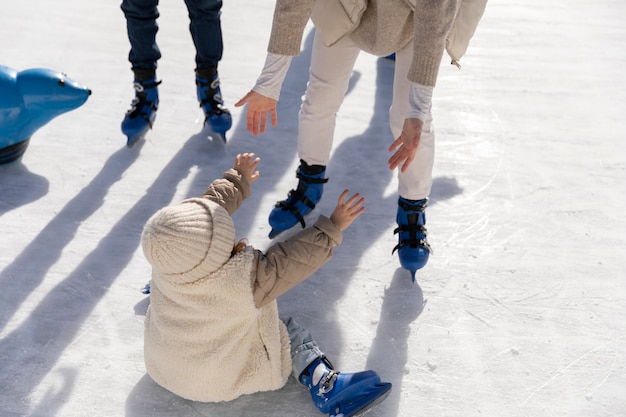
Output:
(219, 337)
(382, 27)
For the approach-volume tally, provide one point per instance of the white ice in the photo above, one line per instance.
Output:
(520, 312)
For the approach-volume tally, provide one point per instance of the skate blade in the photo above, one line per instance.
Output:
(367, 407)
(212, 134)
(218, 125)
(280, 225)
(132, 140)
(133, 137)
(274, 233)
(221, 135)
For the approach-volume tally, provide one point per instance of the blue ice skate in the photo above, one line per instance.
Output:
(413, 248)
(216, 116)
(343, 394)
(140, 118)
(299, 202)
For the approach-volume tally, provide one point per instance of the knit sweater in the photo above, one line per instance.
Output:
(384, 27)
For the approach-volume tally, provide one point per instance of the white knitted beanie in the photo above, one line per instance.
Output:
(189, 240)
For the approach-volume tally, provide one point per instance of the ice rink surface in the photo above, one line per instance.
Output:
(520, 312)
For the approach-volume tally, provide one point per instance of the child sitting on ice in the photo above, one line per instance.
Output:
(212, 330)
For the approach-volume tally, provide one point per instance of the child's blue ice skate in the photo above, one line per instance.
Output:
(143, 108)
(299, 202)
(413, 248)
(343, 394)
(216, 116)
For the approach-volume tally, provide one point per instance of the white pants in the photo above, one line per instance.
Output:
(331, 68)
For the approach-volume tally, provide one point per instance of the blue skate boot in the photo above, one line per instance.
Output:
(140, 118)
(413, 248)
(216, 116)
(340, 394)
(299, 202)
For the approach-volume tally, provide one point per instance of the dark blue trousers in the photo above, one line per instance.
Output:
(206, 31)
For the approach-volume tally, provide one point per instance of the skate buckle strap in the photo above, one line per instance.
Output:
(407, 207)
(290, 205)
(140, 101)
(214, 100)
(328, 382)
(140, 87)
(412, 229)
(201, 82)
(412, 242)
(298, 195)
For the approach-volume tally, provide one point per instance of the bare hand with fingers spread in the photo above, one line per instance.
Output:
(246, 165)
(405, 146)
(258, 107)
(347, 211)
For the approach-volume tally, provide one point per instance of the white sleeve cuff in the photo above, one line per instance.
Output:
(274, 72)
(420, 101)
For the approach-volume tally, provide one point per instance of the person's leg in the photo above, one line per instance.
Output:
(415, 184)
(329, 75)
(304, 349)
(206, 32)
(331, 391)
(141, 25)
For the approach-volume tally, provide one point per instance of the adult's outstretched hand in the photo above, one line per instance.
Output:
(405, 146)
(258, 107)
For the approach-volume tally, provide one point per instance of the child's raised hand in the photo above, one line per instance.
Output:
(347, 211)
(246, 164)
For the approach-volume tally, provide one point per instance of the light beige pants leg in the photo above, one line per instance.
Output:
(331, 68)
(416, 182)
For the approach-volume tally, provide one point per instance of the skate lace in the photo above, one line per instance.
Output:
(299, 195)
(140, 99)
(213, 96)
(327, 383)
(135, 105)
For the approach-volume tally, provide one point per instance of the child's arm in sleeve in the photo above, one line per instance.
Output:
(229, 191)
(288, 263)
